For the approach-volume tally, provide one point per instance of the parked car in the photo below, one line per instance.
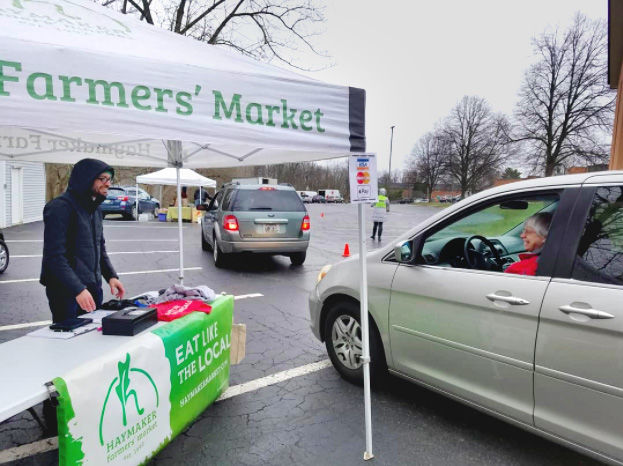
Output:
(405, 200)
(132, 189)
(542, 351)
(267, 219)
(4, 254)
(122, 200)
(319, 199)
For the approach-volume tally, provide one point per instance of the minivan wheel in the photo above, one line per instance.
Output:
(204, 244)
(220, 258)
(297, 258)
(342, 333)
(4, 257)
(134, 215)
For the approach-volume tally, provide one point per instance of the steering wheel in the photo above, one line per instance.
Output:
(477, 259)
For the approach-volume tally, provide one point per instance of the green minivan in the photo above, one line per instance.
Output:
(254, 218)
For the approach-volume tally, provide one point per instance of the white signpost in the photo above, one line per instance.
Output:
(364, 189)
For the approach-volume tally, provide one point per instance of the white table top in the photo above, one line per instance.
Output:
(30, 362)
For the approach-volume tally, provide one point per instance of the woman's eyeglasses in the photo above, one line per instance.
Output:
(105, 179)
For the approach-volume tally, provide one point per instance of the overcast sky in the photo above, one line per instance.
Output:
(416, 59)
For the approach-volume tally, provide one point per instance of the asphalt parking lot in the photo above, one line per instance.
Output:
(306, 415)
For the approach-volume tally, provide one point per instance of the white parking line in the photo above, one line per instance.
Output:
(191, 269)
(30, 449)
(273, 379)
(108, 252)
(48, 322)
(26, 325)
(142, 240)
(245, 296)
(24, 451)
(173, 227)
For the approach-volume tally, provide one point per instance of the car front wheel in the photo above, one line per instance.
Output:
(343, 340)
(204, 244)
(220, 258)
(4, 257)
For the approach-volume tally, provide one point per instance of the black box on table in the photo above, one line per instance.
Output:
(129, 321)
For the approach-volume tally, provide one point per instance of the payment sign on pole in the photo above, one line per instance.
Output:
(363, 178)
(364, 189)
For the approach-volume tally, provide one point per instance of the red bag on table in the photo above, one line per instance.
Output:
(172, 310)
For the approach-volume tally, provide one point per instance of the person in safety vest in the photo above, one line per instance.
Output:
(534, 235)
(381, 207)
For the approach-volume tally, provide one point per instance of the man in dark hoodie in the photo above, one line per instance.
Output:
(74, 254)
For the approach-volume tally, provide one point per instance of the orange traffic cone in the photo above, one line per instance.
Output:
(321, 214)
(346, 252)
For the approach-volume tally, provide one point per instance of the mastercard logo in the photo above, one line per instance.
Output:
(363, 177)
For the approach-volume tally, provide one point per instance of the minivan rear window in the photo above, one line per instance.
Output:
(260, 200)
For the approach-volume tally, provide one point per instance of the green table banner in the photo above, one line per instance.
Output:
(124, 407)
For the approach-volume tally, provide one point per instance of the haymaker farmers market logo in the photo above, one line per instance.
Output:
(64, 15)
(130, 387)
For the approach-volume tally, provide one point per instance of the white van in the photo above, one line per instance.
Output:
(331, 195)
(306, 196)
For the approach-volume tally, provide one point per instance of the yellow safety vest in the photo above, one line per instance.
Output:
(382, 202)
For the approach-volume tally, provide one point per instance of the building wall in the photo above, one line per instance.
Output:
(3, 200)
(33, 193)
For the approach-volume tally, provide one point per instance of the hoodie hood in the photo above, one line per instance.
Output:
(81, 180)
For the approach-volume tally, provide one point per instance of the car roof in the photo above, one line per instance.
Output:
(251, 187)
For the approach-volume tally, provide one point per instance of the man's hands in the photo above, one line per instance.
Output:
(116, 288)
(85, 301)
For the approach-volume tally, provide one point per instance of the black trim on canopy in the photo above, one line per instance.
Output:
(357, 119)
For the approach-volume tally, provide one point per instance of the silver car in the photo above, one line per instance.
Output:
(266, 219)
(543, 350)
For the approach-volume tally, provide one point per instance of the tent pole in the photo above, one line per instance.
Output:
(179, 224)
(363, 292)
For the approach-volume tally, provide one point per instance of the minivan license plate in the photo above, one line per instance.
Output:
(271, 228)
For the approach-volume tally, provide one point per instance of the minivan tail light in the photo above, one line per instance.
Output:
(122, 198)
(230, 223)
(267, 188)
(306, 225)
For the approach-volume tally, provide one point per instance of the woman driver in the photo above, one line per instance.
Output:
(534, 235)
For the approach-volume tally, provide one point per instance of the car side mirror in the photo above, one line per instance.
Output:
(403, 252)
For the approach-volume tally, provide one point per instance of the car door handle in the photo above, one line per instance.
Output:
(508, 299)
(592, 313)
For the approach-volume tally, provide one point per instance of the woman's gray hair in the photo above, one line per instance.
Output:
(540, 223)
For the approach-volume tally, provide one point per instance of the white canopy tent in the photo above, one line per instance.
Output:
(169, 176)
(79, 80)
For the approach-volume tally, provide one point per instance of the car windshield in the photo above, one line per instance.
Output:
(266, 200)
(496, 220)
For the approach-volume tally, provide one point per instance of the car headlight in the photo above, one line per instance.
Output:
(323, 272)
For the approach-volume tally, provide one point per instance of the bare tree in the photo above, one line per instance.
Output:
(312, 176)
(566, 107)
(428, 159)
(476, 141)
(263, 29)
